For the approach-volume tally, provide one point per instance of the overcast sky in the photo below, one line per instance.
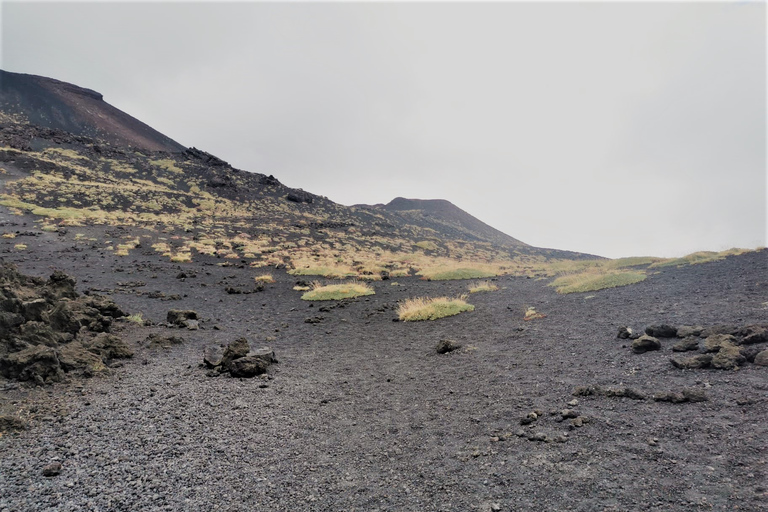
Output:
(616, 129)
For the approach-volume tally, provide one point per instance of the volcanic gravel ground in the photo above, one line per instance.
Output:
(362, 414)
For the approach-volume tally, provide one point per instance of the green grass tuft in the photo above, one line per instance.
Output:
(337, 291)
(418, 309)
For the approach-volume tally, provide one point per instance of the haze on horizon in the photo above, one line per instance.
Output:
(618, 129)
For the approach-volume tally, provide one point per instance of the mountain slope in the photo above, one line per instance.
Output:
(49, 103)
(189, 205)
(443, 215)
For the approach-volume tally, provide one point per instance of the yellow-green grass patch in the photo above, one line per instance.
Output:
(426, 308)
(482, 286)
(456, 273)
(589, 281)
(337, 291)
(264, 278)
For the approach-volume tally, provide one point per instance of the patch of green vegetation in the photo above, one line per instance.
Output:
(337, 291)
(423, 308)
(589, 282)
(137, 318)
(456, 273)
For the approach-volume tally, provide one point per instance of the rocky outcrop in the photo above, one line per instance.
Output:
(45, 326)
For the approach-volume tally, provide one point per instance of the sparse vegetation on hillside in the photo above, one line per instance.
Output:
(337, 291)
(424, 308)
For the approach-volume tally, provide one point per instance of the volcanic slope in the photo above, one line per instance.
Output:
(53, 104)
(189, 204)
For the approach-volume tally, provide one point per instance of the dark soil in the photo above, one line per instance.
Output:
(362, 413)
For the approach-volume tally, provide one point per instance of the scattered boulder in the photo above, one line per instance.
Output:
(38, 364)
(299, 196)
(754, 334)
(716, 342)
(109, 347)
(719, 329)
(529, 418)
(179, 317)
(685, 331)
(687, 395)
(212, 356)
(645, 344)
(314, 320)
(255, 363)
(761, 358)
(750, 352)
(624, 332)
(445, 346)
(728, 358)
(155, 340)
(688, 344)
(235, 350)
(693, 362)
(661, 331)
(238, 359)
(52, 469)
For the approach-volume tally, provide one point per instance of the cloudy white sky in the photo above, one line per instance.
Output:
(611, 128)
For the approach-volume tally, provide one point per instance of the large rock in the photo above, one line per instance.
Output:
(754, 334)
(33, 309)
(37, 364)
(687, 345)
(661, 331)
(645, 344)
(693, 362)
(445, 346)
(108, 347)
(60, 286)
(762, 358)
(716, 342)
(41, 333)
(74, 357)
(720, 329)
(212, 356)
(235, 350)
(684, 331)
(179, 317)
(728, 358)
(248, 366)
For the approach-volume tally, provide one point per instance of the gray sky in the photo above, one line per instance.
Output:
(616, 129)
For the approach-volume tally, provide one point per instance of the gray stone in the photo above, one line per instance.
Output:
(661, 331)
(645, 344)
(445, 346)
(685, 331)
(761, 358)
(694, 362)
(688, 344)
(212, 356)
